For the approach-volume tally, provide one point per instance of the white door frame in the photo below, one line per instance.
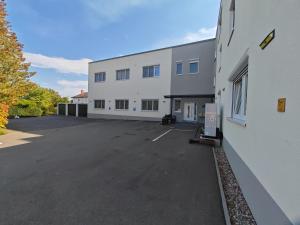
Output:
(190, 112)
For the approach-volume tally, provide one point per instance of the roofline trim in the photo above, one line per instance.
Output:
(154, 50)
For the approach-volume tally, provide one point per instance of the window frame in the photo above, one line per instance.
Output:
(240, 91)
(194, 61)
(102, 103)
(101, 74)
(232, 17)
(148, 71)
(180, 110)
(152, 105)
(124, 105)
(177, 63)
(126, 74)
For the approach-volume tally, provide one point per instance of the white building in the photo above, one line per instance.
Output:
(257, 83)
(81, 98)
(149, 85)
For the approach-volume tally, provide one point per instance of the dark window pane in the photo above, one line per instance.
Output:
(126, 104)
(150, 104)
(157, 70)
(194, 67)
(155, 105)
(151, 71)
(144, 105)
(145, 71)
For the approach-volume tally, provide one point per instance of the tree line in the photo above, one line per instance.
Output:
(18, 94)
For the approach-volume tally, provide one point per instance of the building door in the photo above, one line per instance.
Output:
(82, 110)
(190, 111)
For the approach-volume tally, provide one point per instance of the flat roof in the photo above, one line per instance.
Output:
(154, 50)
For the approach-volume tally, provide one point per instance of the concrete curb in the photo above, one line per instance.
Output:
(224, 204)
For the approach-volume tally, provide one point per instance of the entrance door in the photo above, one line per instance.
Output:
(190, 111)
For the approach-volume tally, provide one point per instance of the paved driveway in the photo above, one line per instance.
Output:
(94, 172)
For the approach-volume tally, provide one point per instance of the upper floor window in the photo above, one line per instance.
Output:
(122, 74)
(100, 77)
(239, 95)
(194, 67)
(179, 68)
(151, 71)
(149, 105)
(99, 104)
(231, 19)
(122, 104)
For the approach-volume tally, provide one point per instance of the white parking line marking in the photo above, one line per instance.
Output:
(160, 136)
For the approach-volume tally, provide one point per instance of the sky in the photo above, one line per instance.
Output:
(60, 37)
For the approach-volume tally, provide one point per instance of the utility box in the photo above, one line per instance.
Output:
(210, 128)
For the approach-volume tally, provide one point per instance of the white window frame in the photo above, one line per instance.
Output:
(194, 61)
(179, 62)
(123, 109)
(178, 110)
(154, 73)
(152, 107)
(126, 74)
(239, 96)
(231, 20)
(102, 104)
(101, 74)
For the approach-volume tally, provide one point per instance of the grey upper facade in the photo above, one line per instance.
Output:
(201, 82)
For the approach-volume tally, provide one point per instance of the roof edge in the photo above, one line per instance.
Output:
(154, 50)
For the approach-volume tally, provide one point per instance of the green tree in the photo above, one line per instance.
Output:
(14, 72)
(38, 102)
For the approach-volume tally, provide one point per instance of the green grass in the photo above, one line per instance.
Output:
(2, 131)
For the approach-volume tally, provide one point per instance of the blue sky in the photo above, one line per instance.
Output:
(61, 36)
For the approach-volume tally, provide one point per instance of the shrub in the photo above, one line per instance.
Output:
(3, 115)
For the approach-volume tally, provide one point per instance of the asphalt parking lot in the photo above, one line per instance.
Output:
(92, 172)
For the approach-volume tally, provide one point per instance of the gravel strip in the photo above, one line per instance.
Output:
(239, 211)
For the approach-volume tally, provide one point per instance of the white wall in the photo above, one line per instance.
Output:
(270, 142)
(136, 88)
(80, 100)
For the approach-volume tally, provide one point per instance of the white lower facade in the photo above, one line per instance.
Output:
(130, 93)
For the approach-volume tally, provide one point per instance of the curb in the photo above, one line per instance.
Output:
(224, 204)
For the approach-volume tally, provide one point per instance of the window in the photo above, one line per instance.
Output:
(99, 104)
(239, 95)
(100, 77)
(151, 71)
(232, 19)
(179, 68)
(122, 104)
(194, 67)
(149, 105)
(122, 74)
(177, 105)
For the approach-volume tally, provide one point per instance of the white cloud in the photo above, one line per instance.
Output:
(201, 34)
(106, 11)
(59, 64)
(70, 88)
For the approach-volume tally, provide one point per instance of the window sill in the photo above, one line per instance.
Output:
(149, 110)
(99, 82)
(177, 111)
(236, 121)
(197, 73)
(230, 37)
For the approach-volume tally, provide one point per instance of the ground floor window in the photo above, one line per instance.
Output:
(122, 104)
(239, 94)
(177, 107)
(150, 105)
(99, 104)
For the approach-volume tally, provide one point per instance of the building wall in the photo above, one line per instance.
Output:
(264, 154)
(80, 100)
(200, 83)
(135, 89)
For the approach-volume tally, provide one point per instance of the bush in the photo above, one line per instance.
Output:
(25, 108)
(3, 115)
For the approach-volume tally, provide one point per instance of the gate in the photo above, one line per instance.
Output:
(71, 109)
(62, 109)
(82, 110)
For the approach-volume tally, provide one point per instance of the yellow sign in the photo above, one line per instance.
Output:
(267, 40)
(281, 104)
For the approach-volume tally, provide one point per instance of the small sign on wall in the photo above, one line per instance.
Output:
(281, 104)
(267, 40)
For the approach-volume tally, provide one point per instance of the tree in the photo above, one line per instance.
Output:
(38, 102)
(14, 72)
